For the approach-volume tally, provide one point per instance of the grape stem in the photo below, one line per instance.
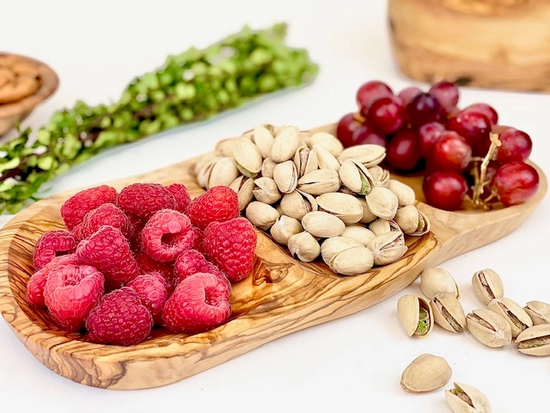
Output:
(480, 183)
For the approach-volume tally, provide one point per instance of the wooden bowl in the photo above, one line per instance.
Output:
(501, 44)
(18, 102)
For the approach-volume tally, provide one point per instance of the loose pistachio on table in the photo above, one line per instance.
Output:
(513, 313)
(463, 398)
(539, 311)
(535, 340)
(489, 328)
(426, 373)
(435, 280)
(448, 312)
(487, 285)
(415, 315)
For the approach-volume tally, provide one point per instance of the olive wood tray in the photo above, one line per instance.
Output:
(281, 296)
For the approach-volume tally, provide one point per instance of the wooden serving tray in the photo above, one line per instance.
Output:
(281, 296)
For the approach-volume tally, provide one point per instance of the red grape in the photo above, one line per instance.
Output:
(516, 146)
(427, 135)
(445, 189)
(515, 182)
(369, 92)
(451, 151)
(345, 128)
(403, 151)
(365, 135)
(408, 94)
(475, 127)
(424, 108)
(484, 109)
(387, 115)
(446, 93)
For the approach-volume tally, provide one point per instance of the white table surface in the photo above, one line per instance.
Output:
(351, 364)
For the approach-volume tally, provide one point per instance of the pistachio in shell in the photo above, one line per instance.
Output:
(367, 154)
(321, 224)
(261, 215)
(243, 186)
(266, 190)
(304, 246)
(297, 204)
(388, 248)
(352, 261)
(512, 312)
(327, 141)
(356, 177)
(405, 194)
(436, 280)
(487, 285)
(448, 312)
(463, 398)
(263, 138)
(539, 311)
(320, 181)
(285, 176)
(284, 228)
(382, 202)
(359, 233)
(415, 315)
(535, 340)
(489, 328)
(344, 206)
(334, 245)
(286, 142)
(248, 157)
(426, 373)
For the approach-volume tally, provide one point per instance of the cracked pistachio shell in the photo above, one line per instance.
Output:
(261, 215)
(368, 216)
(226, 147)
(286, 142)
(352, 261)
(405, 194)
(305, 160)
(407, 217)
(356, 177)
(203, 168)
(344, 206)
(382, 202)
(304, 246)
(512, 312)
(267, 168)
(539, 312)
(266, 190)
(263, 138)
(325, 159)
(359, 233)
(368, 154)
(535, 340)
(322, 224)
(223, 172)
(380, 175)
(382, 226)
(334, 245)
(327, 141)
(243, 186)
(297, 204)
(437, 280)
(415, 315)
(285, 176)
(426, 373)
(448, 312)
(423, 225)
(247, 157)
(487, 285)
(284, 228)
(489, 328)
(388, 248)
(320, 181)
(463, 398)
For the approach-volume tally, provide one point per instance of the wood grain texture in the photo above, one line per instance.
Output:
(501, 44)
(281, 296)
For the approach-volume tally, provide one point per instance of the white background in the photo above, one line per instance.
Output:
(352, 364)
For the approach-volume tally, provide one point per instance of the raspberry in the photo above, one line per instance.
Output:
(197, 240)
(191, 262)
(73, 209)
(218, 204)
(105, 214)
(37, 281)
(142, 200)
(200, 302)
(152, 292)
(180, 193)
(51, 244)
(148, 265)
(70, 293)
(167, 234)
(120, 319)
(230, 245)
(109, 252)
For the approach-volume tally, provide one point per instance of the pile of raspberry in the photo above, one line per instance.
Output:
(145, 257)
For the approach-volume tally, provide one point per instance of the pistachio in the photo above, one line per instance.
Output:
(322, 224)
(380, 226)
(344, 206)
(287, 141)
(248, 157)
(535, 340)
(203, 168)
(319, 182)
(261, 215)
(226, 147)
(415, 315)
(327, 141)
(405, 194)
(382, 202)
(334, 245)
(325, 159)
(352, 261)
(463, 398)
(388, 248)
(380, 175)
(538, 311)
(223, 172)
(487, 285)
(368, 216)
(426, 373)
(448, 312)
(356, 177)
(359, 233)
(368, 154)
(266, 190)
(437, 280)
(423, 225)
(267, 168)
(489, 328)
(512, 312)
(285, 176)
(304, 246)
(263, 138)
(297, 204)
(407, 217)
(284, 228)
(243, 186)
(305, 160)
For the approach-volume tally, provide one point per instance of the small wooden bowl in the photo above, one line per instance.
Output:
(17, 110)
(500, 44)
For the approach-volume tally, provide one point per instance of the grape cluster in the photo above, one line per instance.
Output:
(464, 153)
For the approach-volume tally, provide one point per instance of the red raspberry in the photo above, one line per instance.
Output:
(230, 245)
(167, 234)
(120, 319)
(109, 252)
(148, 265)
(199, 303)
(78, 205)
(37, 281)
(142, 200)
(180, 193)
(197, 241)
(105, 214)
(218, 204)
(191, 262)
(152, 292)
(135, 240)
(51, 244)
(70, 293)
